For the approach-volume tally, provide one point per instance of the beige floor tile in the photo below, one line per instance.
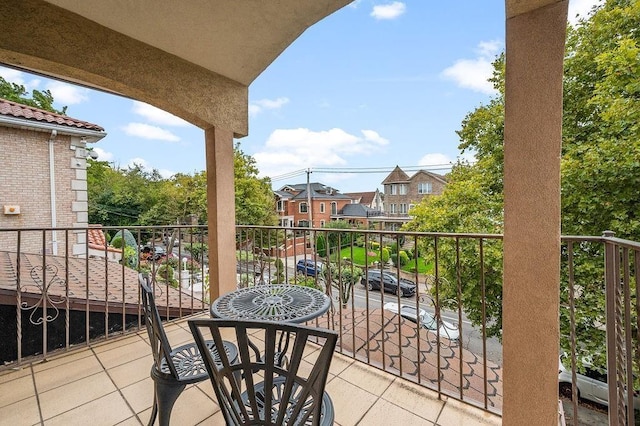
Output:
(349, 401)
(23, 412)
(338, 363)
(139, 395)
(367, 378)
(105, 411)
(456, 413)
(117, 342)
(72, 395)
(384, 413)
(63, 358)
(131, 421)
(414, 398)
(16, 390)
(10, 375)
(66, 373)
(121, 355)
(132, 372)
(192, 407)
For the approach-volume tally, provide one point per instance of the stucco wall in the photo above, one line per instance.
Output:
(25, 177)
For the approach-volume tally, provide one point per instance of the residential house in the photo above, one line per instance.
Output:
(44, 177)
(195, 79)
(304, 204)
(402, 192)
(371, 199)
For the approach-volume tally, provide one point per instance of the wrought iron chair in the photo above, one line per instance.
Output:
(174, 368)
(274, 394)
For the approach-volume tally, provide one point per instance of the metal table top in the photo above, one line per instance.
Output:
(272, 302)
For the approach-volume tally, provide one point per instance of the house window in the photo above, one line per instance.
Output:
(394, 189)
(403, 189)
(411, 206)
(424, 188)
(321, 207)
(280, 206)
(334, 207)
(392, 208)
(403, 208)
(303, 208)
(322, 223)
(303, 223)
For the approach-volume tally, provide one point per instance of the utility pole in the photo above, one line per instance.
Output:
(309, 199)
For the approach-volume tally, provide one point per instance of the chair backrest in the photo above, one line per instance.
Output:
(160, 346)
(257, 383)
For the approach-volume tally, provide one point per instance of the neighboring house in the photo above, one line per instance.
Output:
(371, 199)
(314, 206)
(402, 192)
(44, 178)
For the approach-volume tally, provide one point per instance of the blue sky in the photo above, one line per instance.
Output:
(377, 84)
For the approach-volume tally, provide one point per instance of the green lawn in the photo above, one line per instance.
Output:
(359, 256)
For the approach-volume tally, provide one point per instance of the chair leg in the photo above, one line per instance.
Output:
(166, 394)
(154, 411)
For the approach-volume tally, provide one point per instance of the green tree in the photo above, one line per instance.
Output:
(254, 197)
(600, 171)
(18, 93)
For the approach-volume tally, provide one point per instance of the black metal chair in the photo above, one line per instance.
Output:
(274, 394)
(174, 368)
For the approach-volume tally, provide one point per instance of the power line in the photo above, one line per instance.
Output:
(357, 170)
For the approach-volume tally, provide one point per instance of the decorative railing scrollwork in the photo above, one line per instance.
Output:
(43, 280)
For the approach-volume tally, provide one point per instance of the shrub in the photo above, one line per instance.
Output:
(321, 246)
(165, 274)
(197, 250)
(279, 272)
(384, 255)
(393, 248)
(117, 242)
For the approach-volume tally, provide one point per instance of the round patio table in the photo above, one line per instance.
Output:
(272, 302)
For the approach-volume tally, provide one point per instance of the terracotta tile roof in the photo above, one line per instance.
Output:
(31, 282)
(364, 197)
(17, 110)
(96, 239)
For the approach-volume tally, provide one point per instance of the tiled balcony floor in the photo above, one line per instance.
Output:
(109, 384)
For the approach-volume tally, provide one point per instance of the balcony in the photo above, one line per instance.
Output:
(87, 310)
(108, 384)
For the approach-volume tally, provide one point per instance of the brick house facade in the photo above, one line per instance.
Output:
(293, 208)
(44, 178)
(402, 192)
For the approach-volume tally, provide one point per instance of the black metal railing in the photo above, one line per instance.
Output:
(59, 288)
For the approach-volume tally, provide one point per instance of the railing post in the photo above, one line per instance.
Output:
(611, 286)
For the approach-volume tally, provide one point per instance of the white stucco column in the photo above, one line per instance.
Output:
(533, 134)
(220, 211)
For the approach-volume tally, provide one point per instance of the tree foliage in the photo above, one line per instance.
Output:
(18, 93)
(600, 173)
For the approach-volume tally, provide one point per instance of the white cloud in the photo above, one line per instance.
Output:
(158, 116)
(388, 11)
(103, 155)
(580, 9)
(474, 73)
(147, 131)
(291, 149)
(144, 164)
(434, 159)
(256, 107)
(18, 77)
(66, 94)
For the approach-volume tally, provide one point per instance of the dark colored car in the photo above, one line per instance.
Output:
(155, 252)
(374, 278)
(309, 267)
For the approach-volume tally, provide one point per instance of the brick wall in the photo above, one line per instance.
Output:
(25, 177)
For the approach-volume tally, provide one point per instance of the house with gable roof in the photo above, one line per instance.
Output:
(44, 178)
(310, 205)
(402, 192)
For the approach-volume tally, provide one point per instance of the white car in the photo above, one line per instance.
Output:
(592, 385)
(426, 320)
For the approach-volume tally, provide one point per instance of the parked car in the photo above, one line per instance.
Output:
(374, 278)
(309, 267)
(592, 385)
(155, 252)
(445, 329)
